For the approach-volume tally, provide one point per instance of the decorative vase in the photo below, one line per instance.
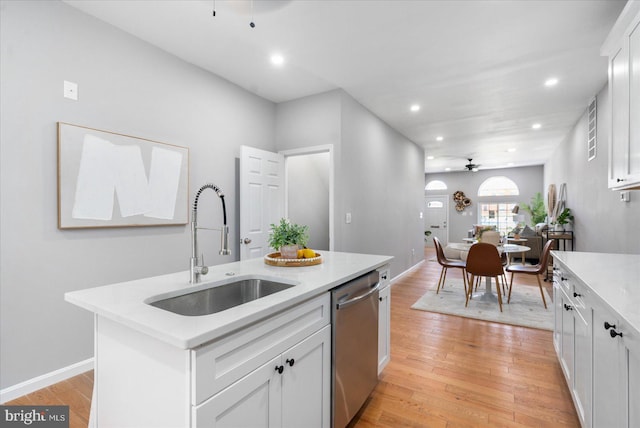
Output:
(289, 251)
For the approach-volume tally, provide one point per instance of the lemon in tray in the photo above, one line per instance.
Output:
(306, 253)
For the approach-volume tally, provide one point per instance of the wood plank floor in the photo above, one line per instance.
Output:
(449, 371)
(445, 371)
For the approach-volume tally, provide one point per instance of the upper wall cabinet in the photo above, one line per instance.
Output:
(623, 49)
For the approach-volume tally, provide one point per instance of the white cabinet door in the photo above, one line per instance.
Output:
(567, 354)
(253, 401)
(633, 388)
(290, 391)
(557, 317)
(384, 326)
(607, 376)
(619, 93)
(624, 91)
(634, 104)
(306, 382)
(582, 366)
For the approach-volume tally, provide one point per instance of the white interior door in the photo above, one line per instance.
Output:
(437, 209)
(261, 199)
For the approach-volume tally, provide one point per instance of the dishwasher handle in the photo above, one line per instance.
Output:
(357, 299)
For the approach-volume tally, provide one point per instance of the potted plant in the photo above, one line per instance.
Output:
(288, 238)
(565, 218)
(536, 209)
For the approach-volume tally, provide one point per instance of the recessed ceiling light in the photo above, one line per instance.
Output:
(439, 138)
(510, 164)
(536, 126)
(511, 150)
(415, 107)
(447, 169)
(430, 157)
(552, 81)
(277, 59)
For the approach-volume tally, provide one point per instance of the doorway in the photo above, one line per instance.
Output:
(297, 184)
(309, 192)
(436, 219)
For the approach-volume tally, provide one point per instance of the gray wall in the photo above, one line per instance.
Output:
(529, 181)
(382, 178)
(130, 87)
(602, 223)
(379, 176)
(125, 86)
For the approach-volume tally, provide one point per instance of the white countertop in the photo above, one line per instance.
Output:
(125, 302)
(614, 278)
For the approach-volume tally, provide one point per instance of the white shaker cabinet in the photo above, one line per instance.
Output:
(572, 339)
(616, 367)
(623, 49)
(272, 373)
(290, 390)
(596, 335)
(384, 320)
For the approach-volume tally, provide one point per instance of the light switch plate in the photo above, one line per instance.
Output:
(347, 218)
(71, 90)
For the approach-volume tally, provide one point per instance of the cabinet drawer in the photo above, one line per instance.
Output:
(562, 278)
(577, 294)
(385, 276)
(220, 363)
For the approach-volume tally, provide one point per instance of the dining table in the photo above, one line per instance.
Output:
(488, 295)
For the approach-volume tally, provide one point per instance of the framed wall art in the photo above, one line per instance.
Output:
(107, 179)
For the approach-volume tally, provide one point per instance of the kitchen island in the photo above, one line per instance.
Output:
(235, 367)
(597, 334)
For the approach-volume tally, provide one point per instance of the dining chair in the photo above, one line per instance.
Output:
(493, 237)
(484, 261)
(537, 270)
(446, 264)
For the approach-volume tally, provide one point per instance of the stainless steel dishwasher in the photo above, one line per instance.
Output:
(355, 345)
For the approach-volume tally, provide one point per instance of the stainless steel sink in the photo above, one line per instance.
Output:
(221, 297)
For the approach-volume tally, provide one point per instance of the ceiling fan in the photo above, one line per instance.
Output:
(471, 166)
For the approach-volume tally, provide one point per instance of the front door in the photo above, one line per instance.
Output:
(261, 199)
(436, 208)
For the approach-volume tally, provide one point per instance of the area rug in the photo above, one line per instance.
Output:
(526, 308)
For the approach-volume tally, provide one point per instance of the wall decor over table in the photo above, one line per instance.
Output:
(107, 179)
(461, 200)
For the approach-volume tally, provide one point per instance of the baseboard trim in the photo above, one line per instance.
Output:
(406, 272)
(47, 379)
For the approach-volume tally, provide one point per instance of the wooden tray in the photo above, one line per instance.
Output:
(274, 259)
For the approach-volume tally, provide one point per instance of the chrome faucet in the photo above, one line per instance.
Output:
(197, 266)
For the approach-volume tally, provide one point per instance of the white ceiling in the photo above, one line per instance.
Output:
(477, 68)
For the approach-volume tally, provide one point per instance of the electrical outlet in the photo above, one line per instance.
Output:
(71, 90)
(625, 196)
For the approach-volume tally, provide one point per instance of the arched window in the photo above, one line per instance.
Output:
(493, 209)
(498, 185)
(435, 185)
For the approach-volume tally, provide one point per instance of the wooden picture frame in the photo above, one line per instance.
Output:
(107, 179)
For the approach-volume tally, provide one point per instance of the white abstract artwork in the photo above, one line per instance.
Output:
(110, 180)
